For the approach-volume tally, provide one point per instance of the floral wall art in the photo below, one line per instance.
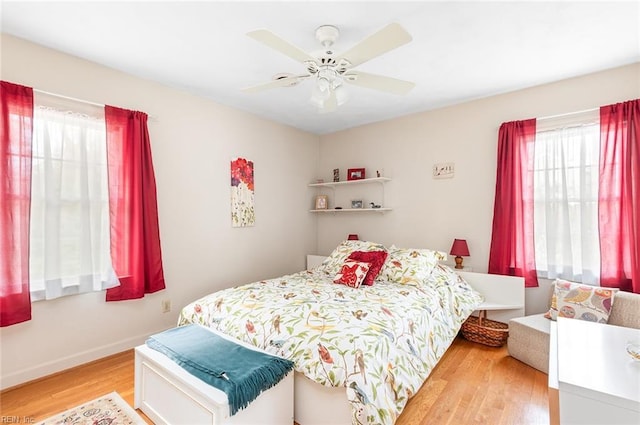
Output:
(242, 205)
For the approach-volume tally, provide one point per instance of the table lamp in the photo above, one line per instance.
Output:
(459, 249)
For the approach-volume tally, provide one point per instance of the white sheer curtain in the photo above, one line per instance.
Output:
(69, 205)
(566, 203)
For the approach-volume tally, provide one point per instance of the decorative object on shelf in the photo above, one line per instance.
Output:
(322, 202)
(377, 173)
(355, 174)
(336, 174)
(242, 193)
(352, 237)
(374, 205)
(356, 204)
(459, 249)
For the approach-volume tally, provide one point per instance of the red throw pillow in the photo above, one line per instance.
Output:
(375, 258)
(352, 273)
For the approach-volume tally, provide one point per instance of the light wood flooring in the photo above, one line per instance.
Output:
(472, 384)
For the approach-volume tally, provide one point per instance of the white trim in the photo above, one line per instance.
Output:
(44, 369)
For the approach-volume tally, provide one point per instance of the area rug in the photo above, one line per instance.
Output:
(109, 409)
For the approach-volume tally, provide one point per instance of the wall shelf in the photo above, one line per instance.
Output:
(333, 185)
(333, 210)
(380, 180)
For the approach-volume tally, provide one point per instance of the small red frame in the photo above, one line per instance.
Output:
(355, 174)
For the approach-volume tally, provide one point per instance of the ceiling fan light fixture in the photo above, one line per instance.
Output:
(328, 82)
(342, 95)
(321, 91)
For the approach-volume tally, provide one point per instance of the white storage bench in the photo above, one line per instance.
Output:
(168, 394)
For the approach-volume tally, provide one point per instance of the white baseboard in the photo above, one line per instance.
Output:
(12, 379)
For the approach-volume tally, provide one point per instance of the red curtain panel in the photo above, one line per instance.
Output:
(512, 249)
(16, 112)
(619, 196)
(135, 234)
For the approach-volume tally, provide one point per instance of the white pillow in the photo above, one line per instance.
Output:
(333, 263)
(409, 265)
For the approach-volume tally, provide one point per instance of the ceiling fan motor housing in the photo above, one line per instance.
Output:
(327, 35)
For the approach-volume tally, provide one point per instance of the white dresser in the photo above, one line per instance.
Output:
(597, 381)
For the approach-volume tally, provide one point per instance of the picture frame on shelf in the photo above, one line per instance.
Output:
(355, 174)
(322, 202)
(356, 204)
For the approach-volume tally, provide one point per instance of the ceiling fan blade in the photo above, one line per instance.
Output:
(281, 82)
(331, 104)
(283, 46)
(388, 38)
(379, 82)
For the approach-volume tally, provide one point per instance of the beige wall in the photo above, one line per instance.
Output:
(431, 213)
(193, 140)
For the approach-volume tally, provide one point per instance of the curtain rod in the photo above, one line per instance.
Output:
(568, 114)
(101, 105)
(73, 99)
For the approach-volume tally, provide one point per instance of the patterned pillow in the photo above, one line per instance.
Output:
(578, 301)
(352, 273)
(332, 264)
(374, 258)
(409, 266)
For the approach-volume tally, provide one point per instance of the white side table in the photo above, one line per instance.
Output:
(503, 295)
(598, 382)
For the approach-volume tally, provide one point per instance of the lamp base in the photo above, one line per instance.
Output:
(459, 262)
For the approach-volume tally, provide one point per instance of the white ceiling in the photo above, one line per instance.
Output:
(460, 50)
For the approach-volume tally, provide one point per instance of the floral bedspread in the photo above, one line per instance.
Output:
(379, 342)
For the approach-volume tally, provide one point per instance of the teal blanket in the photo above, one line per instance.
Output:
(240, 372)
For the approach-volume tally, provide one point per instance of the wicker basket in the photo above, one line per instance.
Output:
(485, 331)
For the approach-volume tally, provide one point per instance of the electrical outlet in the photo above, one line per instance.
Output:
(166, 306)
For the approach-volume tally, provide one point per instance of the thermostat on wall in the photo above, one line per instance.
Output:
(443, 170)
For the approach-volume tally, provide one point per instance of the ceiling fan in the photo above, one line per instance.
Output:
(331, 71)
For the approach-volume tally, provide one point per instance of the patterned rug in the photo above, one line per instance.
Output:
(109, 409)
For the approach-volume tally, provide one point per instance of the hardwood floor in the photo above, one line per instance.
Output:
(472, 384)
(476, 384)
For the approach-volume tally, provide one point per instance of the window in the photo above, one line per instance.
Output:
(565, 190)
(73, 246)
(69, 233)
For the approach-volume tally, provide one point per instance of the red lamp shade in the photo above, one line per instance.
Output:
(459, 248)
(352, 237)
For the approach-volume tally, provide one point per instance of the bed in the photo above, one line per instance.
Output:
(365, 348)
